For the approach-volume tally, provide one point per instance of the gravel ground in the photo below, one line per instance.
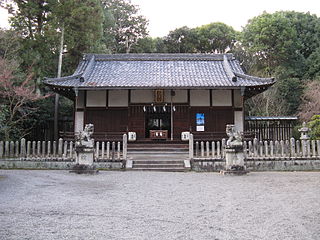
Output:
(155, 205)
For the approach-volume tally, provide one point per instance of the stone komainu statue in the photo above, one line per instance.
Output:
(235, 137)
(83, 138)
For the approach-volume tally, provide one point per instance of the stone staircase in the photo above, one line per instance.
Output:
(158, 157)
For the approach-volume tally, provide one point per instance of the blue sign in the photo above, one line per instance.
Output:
(200, 119)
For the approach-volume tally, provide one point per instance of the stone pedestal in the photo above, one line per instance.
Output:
(234, 157)
(234, 153)
(84, 155)
(234, 161)
(84, 152)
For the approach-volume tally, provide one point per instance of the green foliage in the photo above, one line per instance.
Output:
(123, 26)
(215, 37)
(83, 26)
(145, 45)
(290, 90)
(283, 45)
(314, 124)
(181, 40)
(313, 65)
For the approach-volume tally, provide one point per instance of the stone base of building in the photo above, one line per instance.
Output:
(84, 169)
(234, 172)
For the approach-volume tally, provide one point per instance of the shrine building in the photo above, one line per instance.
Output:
(159, 97)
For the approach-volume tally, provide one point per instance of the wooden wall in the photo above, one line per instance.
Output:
(108, 120)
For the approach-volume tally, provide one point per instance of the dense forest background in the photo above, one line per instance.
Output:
(284, 45)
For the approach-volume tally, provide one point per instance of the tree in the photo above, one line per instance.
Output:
(283, 45)
(314, 124)
(9, 44)
(271, 38)
(123, 26)
(215, 37)
(16, 94)
(82, 22)
(310, 101)
(181, 40)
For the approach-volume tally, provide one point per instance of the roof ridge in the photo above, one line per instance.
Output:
(88, 68)
(60, 79)
(248, 77)
(159, 57)
(228, 69)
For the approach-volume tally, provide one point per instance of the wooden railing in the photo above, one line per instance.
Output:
(97, 136)
(61, 151)
(289, 149)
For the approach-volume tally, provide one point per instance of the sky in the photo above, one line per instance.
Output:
(167, 15)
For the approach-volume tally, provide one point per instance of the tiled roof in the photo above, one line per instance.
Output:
(158, 71)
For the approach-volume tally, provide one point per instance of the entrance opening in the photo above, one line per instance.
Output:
(158, 125)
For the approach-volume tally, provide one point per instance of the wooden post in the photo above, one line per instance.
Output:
(223, 146)
(38, 148)
(213, 149)
(97, 151)
(12, 149)
(113, 150)
(313, 144)
(260, 148)
(65, 149)
(54, 148)
(245, 149)
(202, 149)
(28, 149)
(119, 150)
(282, 148)
(255, 147)
(71, 150)
(304, 148)
(1, 149)
(60, 147)
(124, 150)
(271, 149)
(17, 148)
(191, 146)
(292, 147)
(102, 149)
(23, 148)
(49, 149)
(197, 148)
(43, 148)
(298, 153)
(276, 147)
(266, 148)
(250, 149)
(207, 149)
(286, 148)
(108, 150)
(6, 149)
(33, 148)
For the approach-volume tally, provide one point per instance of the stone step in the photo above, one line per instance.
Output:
(167, 153)
(157, 145)
(161, 169)
(159, 150)
(181, 165)
(158, 162)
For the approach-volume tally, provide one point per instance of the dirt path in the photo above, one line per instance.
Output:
(155, 205)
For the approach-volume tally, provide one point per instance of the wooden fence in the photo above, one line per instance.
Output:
(61, 150)
(291, 149)
(270, 129)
